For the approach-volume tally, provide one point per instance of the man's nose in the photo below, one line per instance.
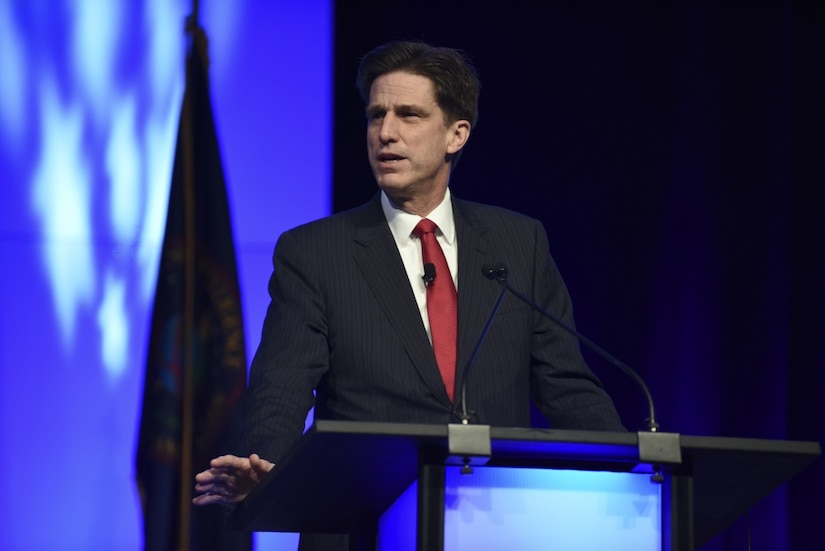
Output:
(389, 128)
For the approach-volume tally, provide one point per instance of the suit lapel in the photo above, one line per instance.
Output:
(377, 257)
(476, 295)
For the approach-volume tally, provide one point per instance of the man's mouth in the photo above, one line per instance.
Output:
(389, 158)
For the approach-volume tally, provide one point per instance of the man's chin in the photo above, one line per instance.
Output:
(391, 183)
(397, 194)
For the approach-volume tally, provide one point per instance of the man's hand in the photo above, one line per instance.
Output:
(229, 479)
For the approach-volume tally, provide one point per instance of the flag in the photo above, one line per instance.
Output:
(196, 360)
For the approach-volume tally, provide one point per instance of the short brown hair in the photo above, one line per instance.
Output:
(453, 76)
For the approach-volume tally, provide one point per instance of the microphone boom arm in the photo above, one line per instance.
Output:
(465, 415)
(499, 273)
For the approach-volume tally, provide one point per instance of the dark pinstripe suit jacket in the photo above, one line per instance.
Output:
(343, 320)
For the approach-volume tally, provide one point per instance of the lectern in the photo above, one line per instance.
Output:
(409, 486)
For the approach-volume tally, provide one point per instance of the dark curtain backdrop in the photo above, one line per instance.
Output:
(676, 155)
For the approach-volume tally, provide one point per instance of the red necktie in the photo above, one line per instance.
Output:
(442, 304)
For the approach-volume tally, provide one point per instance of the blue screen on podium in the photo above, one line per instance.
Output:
(530, 509)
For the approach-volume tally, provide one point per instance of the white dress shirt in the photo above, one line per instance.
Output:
(402, 224)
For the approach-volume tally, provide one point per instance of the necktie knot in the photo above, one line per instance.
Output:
(423, 227)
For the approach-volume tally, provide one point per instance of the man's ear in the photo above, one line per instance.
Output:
(458, 136)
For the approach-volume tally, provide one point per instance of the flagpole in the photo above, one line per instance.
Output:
(190, 244)
(194, 18)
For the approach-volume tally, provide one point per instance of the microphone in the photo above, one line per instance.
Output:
(471, 444)
(498, 272)
(429, 274)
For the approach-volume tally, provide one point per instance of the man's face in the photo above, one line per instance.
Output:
(407, 139)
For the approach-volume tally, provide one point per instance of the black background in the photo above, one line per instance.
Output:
(675, 152)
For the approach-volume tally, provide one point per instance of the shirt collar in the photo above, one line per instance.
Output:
(402, 222)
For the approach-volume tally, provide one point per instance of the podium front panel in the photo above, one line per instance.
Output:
(518, 508)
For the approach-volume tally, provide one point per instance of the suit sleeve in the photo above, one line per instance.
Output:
(563, 387)
(292, 356)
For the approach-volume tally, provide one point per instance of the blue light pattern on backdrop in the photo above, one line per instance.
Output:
(88, 113)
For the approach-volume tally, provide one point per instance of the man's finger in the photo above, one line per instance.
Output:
(229, 461)
(210, 499)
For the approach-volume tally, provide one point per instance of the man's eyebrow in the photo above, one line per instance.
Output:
(410, 107)
(373, 110)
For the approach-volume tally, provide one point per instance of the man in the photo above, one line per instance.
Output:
(350, 317)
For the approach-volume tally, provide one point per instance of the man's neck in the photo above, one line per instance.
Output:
(421, 206)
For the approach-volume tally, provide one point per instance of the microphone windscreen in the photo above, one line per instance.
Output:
(495, 271)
